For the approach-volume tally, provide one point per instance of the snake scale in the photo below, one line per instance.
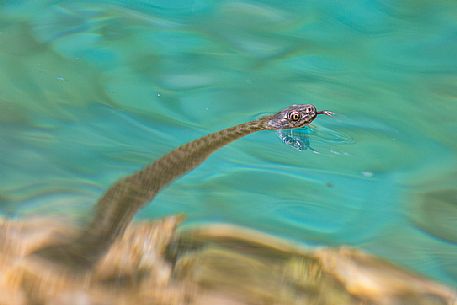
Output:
(116, 208)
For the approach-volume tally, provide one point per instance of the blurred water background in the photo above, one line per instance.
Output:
(93, 90)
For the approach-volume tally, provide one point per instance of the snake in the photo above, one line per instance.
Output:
(117, 206)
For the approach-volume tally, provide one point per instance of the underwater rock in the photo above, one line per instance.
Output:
(132, 272)
(260, 269)
(152, 263)
(433, 211)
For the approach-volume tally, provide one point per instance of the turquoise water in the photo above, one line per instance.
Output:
(93, 90)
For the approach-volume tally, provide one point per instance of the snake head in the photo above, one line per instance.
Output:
(295, 116)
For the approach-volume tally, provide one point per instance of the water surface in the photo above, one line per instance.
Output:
(93, 90)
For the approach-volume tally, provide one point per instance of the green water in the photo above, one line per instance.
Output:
(93, 90)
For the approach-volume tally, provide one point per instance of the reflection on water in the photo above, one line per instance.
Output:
(327, 139)
(297, 139)
(93, 90)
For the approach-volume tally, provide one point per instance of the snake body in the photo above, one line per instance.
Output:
(116, 208)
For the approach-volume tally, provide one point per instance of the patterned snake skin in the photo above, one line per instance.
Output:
(116, 208)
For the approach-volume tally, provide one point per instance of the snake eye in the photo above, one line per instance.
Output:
(294, 116)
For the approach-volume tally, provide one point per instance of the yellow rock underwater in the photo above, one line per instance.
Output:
(155, 264)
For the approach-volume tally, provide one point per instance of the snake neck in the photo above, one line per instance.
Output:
(120, 203)
(116, 208)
